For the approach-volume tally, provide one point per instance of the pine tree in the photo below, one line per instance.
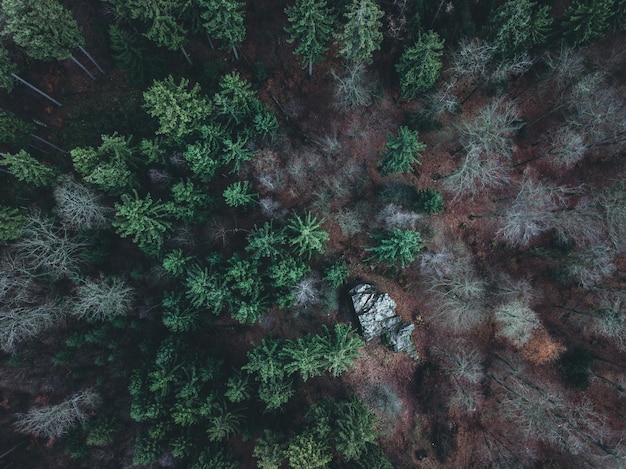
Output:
(224, 19)
(11, 222)
(43, 28)
(419, 65)
(396, 247)
(306, 234)
(239, 194)
(401, 152)
(7, 69)
(586, 21)
(26, 168)
(304, 356)
(340, 348)
(355, 429)
(360, 35)
(180, 110)
(143, 219)
(311, 24)
(162, 18)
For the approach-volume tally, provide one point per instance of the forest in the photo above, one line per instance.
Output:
(191, 192)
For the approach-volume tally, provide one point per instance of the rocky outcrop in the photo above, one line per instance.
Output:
(377, 316)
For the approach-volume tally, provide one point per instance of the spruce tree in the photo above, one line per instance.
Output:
(311, 23)
(27, 169)
(420, 65)
(224, 19)
(361, 35)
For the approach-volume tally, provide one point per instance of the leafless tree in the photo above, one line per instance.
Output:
(79, 207)
(103, 298)
(516, 322)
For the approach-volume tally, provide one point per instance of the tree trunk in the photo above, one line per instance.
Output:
(310, 67)
(82, 67)
(43, 140)
(182, 49)
(235, 53)
(93, 61)
(37, 90)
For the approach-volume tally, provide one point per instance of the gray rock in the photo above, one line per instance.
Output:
(377, 316)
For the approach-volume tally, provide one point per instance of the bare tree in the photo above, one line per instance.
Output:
(566, 147)
(79, 207)
(516, 322)
(102, 299)
(55, 420)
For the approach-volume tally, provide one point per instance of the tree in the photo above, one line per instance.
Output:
(586, 21)
(7, 70)
(306, 234)
(103, 299)
(237, 387)
(235, 100)
(419, 65)
(180, 110)
(396, 246)
(360, 35)
(303, 355)
(401, 152)
(224, 19)
(236, 152)
(161, 16)
(266, 241)
(143, 219)
(55, 420)
(268, 449)
(26, 168)
(80, 208)
(516, 322)
(239, 194)
(340, 348)
(518, 26)
(354, 87)
(13, 131)
(11, 222)
(355, 429)
(206, 289)
(190, 203)
(311, 24)
(308, 451)
(44, 28)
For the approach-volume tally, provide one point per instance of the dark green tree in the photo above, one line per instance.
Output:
(355, 429)
(340, 348)
(311, 23)
(224, 20)
(43, 28)
(11, 222)
(13, 131)
(401, 152)
(585, 21)
(304, 356)
(306, 235)
(360, 35)
(27, 169)
(7, 69)
(419, 65)
(396, 247)
(162, 17)
(308, 451)
(145, 220)
(266, 242)
(235, 100)
(179, 109)
(239, 194)
(518, 26)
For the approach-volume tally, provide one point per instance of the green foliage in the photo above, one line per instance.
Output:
(175, 262)
(396, 246)
(236, 101)
(236, 152)
(101, 431)
(307, 451)
(203, 165)
(27, 169)
(45, 29)
(162, 17)
(265, 361)
(360, 35)
(224, 19)
(311, 23)
(355, 429)
(190, 203)
(429, 201)
(7, 67)
(340, 348)
(215, 458)
(575, 368)
(13, 131)
(179, 109)
(266, 242)
(275, 393)
(177, 316)
(11, 223)
(586, 21)
(143, 219)
(207, 289)
(222, 424)
(268, 450)
(303, 355)
(132, 56)
(237, 387)
(108, 165)
(147, 450)
(401, 152)
(305, 234)
(336, 273)
(419, 65)
(518, 26)
(239, 194)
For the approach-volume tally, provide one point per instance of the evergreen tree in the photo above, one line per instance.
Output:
(224, 19)
(236, 101)
(13, 131)
(303, 355)
(401, 152)
(11, 222)
(360, 35)
(180, 110)
(586, 21)
(340, 348)
(143, 219)
(308, 451)
(355, 429)
(43, 28)
(239, 194)
(419, 65)
(396, 246)
(518, 26)
(7, 68)
(306, 234)
(162, 18)
(26, 168)
(311, 24)
(266, 241)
